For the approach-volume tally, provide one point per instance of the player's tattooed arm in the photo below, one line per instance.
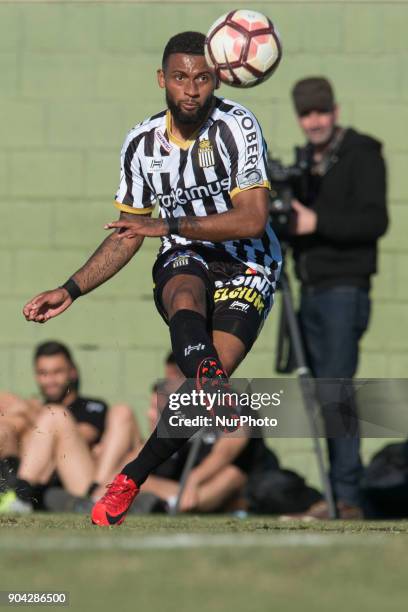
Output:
(110, 257)
(247, 219)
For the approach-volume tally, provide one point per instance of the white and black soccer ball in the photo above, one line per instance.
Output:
(243, 47)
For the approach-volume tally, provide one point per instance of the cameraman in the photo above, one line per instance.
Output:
(339, 212)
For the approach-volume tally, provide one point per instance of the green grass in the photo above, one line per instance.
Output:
(208, 563)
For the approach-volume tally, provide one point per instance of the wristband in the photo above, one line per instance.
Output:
(174, 225)
(72, 288)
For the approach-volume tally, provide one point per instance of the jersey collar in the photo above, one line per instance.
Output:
(183, 144)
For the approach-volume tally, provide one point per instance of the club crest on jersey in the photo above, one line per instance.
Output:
(205, 154)
(180, 261)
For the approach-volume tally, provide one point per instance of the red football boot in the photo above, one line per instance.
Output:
(212, 378)
(112, 508)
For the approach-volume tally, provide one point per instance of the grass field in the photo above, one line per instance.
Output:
(208, 563)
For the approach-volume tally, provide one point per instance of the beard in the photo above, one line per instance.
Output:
(57, 398)
(197, 116)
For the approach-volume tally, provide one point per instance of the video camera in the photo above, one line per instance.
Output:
(284, 180)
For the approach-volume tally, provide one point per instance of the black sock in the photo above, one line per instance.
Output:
(154, 453)
(8, 472)
(9, 468)
(92, 488)
(24, 490)
(163, 442)
(191, 342)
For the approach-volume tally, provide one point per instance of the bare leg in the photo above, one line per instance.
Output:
(12, 405)
(216, 492)
(162, 487)
(8, 439)
(184, 291)
(121, 436)
(24, 412)
(55, 443)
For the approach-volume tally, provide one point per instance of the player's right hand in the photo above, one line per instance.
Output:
(47, 305)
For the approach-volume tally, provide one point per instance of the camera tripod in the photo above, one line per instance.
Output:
(289, 330)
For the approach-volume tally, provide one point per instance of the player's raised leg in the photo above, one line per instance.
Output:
(184, 300)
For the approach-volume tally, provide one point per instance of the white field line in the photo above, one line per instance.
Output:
(186, 541)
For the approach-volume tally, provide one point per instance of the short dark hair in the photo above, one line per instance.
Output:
(51, 348)
(190, 43)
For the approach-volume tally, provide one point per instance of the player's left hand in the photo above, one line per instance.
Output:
(139, 226)
(303, 220)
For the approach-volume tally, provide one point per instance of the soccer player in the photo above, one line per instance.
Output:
(203, 161)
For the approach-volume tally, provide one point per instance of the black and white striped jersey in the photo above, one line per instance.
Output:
(198, 177)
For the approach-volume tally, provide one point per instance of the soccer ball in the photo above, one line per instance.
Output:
(243, 47)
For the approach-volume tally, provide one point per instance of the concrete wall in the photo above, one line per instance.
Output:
(75, 77)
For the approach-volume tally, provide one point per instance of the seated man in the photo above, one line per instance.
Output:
(66, 438)
(67, 500)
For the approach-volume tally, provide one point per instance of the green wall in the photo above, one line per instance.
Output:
(74, 79)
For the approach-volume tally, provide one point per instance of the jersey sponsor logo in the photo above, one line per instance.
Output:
(163, 141)
(156, 164)
(239, 306)
(249, 178)
(251, 138)
(94, 407)
(197, 192)
(259, 283)
(206, 154)
(194, 347)
(242, 293)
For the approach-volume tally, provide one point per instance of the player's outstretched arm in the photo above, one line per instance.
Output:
(247, 219)
(106, 261)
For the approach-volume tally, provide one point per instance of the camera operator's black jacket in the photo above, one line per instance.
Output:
(350, 202)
